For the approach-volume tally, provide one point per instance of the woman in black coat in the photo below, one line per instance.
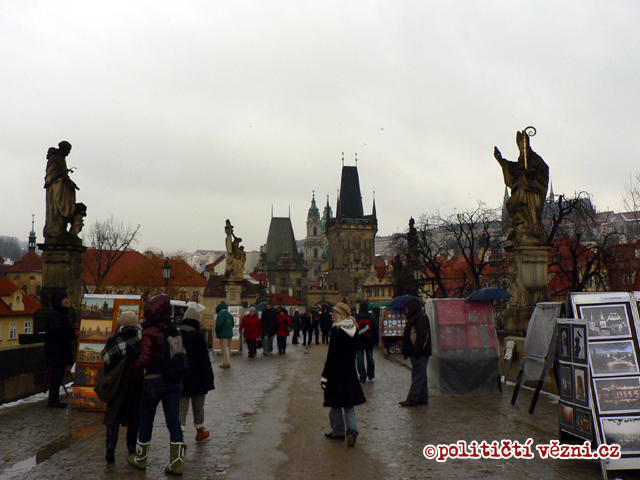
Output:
(58, 345)
(199, 377)
(342, 390)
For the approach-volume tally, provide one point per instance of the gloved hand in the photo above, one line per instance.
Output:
(323, 383)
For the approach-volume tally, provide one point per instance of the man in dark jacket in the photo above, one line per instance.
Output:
(297, 325)
(199, 378)
(156, 388)
(325, 325)
(269, 322)
(315, 323)
(58, 345)
(307, 329)
(416, 345)
(366, 340)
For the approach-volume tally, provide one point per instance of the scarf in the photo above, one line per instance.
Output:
(348, 325)
(116, 346)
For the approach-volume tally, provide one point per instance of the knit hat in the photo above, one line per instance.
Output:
(128, 319)
(192, 313)
(342, 309)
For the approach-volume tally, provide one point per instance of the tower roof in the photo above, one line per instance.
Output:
(313, 210)
(279, 240)
(350, 200)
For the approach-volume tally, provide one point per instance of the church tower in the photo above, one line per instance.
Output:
(351, 238)
(315, 242)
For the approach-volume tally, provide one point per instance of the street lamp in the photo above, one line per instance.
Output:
(166, 274)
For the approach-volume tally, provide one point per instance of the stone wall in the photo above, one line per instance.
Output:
(23, 372)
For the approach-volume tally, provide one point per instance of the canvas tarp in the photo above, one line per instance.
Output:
(539, 336)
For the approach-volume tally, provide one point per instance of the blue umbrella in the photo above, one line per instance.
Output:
(489, 293)
(399, 302)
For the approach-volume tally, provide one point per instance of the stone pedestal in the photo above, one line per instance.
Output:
(62, 271)
(528, 272)
(233, 289)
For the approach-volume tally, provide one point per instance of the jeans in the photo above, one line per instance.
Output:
(154, 391)
(370, 371)
(419, 390)
(267, 343)
(337, 420)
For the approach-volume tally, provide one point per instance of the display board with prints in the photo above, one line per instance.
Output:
(607, 359)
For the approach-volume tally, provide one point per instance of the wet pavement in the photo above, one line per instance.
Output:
(267, 422)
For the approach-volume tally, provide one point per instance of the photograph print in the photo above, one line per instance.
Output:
(581, 385)
(612, 358)
(566, 414)
(583, 424)
(618, 395)
(624, 431)
(564, 343)
(608, 320)
(97, 307)
(579, 345)
(566, 383)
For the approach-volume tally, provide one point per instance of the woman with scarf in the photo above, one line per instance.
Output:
(124, 409)
(342, 390)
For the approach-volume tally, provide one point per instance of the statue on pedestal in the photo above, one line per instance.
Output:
(62, 209)
(528, 180)
(236, 256)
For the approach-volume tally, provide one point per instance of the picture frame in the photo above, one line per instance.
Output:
(581, 385)
(88, 375)
(564, 343)
(618, 394)
(613, 358)
(129, 308)
(85, 398)
(583, 424)
(578, 344)
(234, 310)
(95, 329)
(624, 431)
(566, 383)
(97, 307)
(566, 417)
(90, 352)
(610, 321)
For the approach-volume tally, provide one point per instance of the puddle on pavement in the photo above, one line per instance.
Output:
(47, 452)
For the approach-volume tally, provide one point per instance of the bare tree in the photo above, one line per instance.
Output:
(109, 239)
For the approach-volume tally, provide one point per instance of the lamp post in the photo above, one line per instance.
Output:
(166, 274)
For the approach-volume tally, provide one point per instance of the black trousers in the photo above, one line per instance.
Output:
(55, 380)
(282, 344)
(251, 344)
(307, 335)
(317, 332)
(296, 333)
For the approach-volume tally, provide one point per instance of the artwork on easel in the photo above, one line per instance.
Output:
(606, 321)
(613, 358)
(566, 383)
(583, 424)
(566, 413)
(564, 343)
(578, 342)
(624, 431)
(618, 395)
(581, 385)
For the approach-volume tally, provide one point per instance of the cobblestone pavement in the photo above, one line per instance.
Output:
(267, 422)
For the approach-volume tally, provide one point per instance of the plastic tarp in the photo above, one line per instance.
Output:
(539, 336)
(465, 356)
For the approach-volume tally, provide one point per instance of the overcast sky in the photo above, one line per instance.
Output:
(183, 114)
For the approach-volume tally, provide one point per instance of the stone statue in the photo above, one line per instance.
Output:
(528, 179)
(236, 256)
(62, 209)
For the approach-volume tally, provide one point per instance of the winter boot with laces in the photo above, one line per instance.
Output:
(176, 459)
(139, 459)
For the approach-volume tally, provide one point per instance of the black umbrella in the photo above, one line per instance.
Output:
(489, 293)
(399, 302)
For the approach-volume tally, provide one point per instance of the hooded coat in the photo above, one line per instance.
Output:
(59, 334)
(367, 328)
(416, 318)
(224, 322)
(198, 379)
(343, 387)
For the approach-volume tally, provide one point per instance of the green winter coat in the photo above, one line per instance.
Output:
(224, 322)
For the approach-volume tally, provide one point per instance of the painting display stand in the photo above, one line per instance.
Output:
(599, 379)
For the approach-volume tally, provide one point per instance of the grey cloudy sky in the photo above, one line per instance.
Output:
(183, 114)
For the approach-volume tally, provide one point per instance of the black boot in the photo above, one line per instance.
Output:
(132, 436)
(112, 441)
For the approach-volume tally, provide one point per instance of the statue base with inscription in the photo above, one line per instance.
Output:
(529, 275)
(233, 290)
(62, 271)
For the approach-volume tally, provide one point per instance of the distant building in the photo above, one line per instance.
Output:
(351, 239)
(282, 262)
(315, 244)
(26, 273)
(16, 313)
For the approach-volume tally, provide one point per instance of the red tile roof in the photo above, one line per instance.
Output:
(7, 287)
(31, 262)
(285, 299)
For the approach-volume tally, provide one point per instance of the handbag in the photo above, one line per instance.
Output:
(107, 386)
(259, 343)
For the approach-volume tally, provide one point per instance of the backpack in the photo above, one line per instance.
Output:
(174, 356)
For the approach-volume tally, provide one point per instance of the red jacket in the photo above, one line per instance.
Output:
(251, 326)
(283, 322)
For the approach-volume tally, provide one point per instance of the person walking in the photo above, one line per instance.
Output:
(224, 331)
(307, 329)
(342, 390)
(156, 387)
(367, 335)
(58, 345)
(121, 350)
(416, 345)
(315, 322)
(325, 324)
(284, 327)
(198, 380)
(252, 329)
(269, 328)
(296, 321)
